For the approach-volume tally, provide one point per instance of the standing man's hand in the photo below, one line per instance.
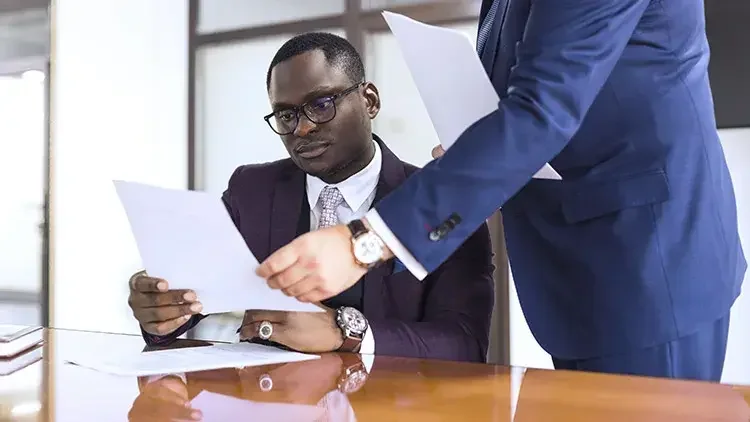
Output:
(307, 332)
(160, 311)
(438, 151)
(315, 266)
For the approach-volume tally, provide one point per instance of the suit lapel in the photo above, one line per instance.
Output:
(392, 174)
(489, 52)
(286, 208)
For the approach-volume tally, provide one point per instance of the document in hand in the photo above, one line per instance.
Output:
(453, 84)
(191, 359)
(189, 239)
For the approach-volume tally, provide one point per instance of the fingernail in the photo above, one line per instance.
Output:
(196, 414)
(186, 317)
(189, 296)
(196, 307)
(162, 286)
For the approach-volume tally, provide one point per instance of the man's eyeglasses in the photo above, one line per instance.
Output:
(319, 110)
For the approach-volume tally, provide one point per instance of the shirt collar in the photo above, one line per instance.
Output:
(356, 189)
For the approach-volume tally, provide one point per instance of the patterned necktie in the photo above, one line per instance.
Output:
(330, 199)
(486, 26)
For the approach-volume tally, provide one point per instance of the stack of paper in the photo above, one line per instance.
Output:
(193, 359)
(20, 346)
(15, 339)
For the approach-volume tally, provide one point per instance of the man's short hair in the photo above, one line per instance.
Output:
(337, 50)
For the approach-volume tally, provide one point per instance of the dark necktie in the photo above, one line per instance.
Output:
(486, 26)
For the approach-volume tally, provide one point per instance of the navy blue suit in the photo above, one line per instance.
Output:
(632, 262)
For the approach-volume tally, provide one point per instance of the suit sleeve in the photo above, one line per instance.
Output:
(568, 52)
(458, 304)
(155, 340)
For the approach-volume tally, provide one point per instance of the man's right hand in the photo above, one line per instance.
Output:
(159, 310)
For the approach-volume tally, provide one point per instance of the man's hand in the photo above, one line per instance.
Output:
(315, 266)
(159, 310)
(165, 399)
(308, 332)
(438, 151)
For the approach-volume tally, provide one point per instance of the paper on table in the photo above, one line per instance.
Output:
(192, 359)
(219, 408)
(453, 84)
(188, 239)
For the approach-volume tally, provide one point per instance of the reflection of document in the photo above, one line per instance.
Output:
(453, 84)
(188, 239)
(218, 407)
(174, 361)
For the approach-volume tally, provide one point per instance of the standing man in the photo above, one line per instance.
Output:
(631, 263)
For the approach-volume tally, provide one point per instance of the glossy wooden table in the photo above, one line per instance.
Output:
(336, 388)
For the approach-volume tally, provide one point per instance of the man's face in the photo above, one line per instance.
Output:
(322, 149)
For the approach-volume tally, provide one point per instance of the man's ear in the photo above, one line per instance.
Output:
(372, 99)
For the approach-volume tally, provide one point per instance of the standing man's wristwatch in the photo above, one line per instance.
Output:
(367, 246)
(353, 327)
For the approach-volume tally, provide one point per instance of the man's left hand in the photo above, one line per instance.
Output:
(315, 266)
(308, 332)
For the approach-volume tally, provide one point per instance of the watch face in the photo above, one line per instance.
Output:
(353, 382)
(368, 249)
(353, 320)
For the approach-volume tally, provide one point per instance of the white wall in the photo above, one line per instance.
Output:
(119, 101)
(736, 144)
(22, 169)
(230, 105)
(525, 351)
(226, 15)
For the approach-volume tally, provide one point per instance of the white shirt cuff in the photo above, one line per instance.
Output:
(385, 234)
(367, 350)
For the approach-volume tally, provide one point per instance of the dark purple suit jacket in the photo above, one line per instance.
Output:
(446, 316)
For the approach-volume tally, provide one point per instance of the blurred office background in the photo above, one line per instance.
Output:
(172, 93)
(24, 55)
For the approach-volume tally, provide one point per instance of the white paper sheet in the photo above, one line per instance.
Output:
(453, 84)
(188, 239)
(220, 408)
(192, 359)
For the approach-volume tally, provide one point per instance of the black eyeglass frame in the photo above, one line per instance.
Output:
(332, 98)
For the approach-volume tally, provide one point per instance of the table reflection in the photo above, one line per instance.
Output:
(343, 387)
(314, 390)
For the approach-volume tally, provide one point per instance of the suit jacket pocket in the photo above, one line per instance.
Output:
(597, 199)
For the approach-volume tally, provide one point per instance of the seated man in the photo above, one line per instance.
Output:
(322, 110)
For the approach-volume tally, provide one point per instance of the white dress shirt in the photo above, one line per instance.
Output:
(359, 193)
(386, 235)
